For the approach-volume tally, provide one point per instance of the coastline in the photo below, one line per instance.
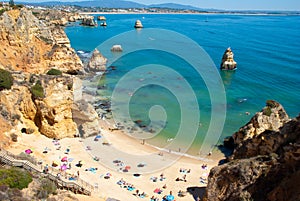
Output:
(191, 13)
(38, 143)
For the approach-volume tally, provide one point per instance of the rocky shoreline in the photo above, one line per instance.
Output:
(265, 162)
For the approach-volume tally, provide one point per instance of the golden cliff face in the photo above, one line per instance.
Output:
(28, 45)
(50, 116)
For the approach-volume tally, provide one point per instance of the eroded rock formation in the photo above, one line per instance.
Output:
(264, 166)
(89, 21)
(271, 117)
(228, 62)
(138, 24)
(29, 45)
(97, 62)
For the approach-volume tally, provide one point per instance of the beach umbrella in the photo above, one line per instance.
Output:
(70, 159)
(63, 167)
(54, 164)
(127, 167)
(28, 151)
(170, 198)
(64, 159)
(157, 190)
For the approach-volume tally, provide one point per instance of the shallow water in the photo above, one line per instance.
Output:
(266, 48)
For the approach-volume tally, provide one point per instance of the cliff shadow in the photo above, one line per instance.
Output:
(196, 192)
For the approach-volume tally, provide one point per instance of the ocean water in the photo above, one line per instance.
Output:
(266, 48)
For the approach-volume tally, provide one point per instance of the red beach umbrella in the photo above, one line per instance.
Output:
(64, 159)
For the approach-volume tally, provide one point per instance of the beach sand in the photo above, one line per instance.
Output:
(115, 145)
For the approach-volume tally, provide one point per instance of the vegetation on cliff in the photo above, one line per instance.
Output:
(15, 178)
(265, 163)
(37, 90)
(54, 71)
(6, 79)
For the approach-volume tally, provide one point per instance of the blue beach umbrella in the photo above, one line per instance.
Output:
(170, 197)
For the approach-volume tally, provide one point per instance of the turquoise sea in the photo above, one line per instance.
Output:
(266, 48)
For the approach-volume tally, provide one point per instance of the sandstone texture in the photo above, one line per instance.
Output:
(264, 166)
(97, 62)
(272, 117)
(228, 62)
(30, 45)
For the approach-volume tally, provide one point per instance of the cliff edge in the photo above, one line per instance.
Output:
(264, 166)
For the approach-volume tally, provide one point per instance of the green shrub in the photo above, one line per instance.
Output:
(267, 111)
(54, 72)
(37, 90)
(46, 188)
(15, 178)
(6, 79)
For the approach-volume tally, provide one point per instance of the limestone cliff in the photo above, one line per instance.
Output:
(272, 117)
(29, 45)
(265, 166)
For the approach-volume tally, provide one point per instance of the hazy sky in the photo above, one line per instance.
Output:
(222, 4)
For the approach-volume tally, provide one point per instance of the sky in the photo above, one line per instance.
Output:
(221, 4)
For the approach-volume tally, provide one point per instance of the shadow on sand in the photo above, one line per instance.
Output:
(196, 192)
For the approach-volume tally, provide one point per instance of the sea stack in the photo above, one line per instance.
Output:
(138, 24)
(227, 60)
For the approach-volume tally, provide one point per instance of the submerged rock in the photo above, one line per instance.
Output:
(116, 48)
(138, 24)
(228, 62)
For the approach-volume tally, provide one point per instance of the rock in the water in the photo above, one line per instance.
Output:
(102, 18)
(97, 62)
(89, 21)
(116, 48)
(228, 62)
(138, 24)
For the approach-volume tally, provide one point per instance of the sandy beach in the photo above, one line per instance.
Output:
(121, 157)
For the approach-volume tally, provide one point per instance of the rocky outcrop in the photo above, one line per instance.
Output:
(97, 62)
(57, 17)
(54, 112)
(51, 116)
(30, 45)
(272, 117)
(264, 167)
(102, 18)
(86, 118)
(89, 21)
(116, 48)
(138, 24)
(65, 59)
(228, 62)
